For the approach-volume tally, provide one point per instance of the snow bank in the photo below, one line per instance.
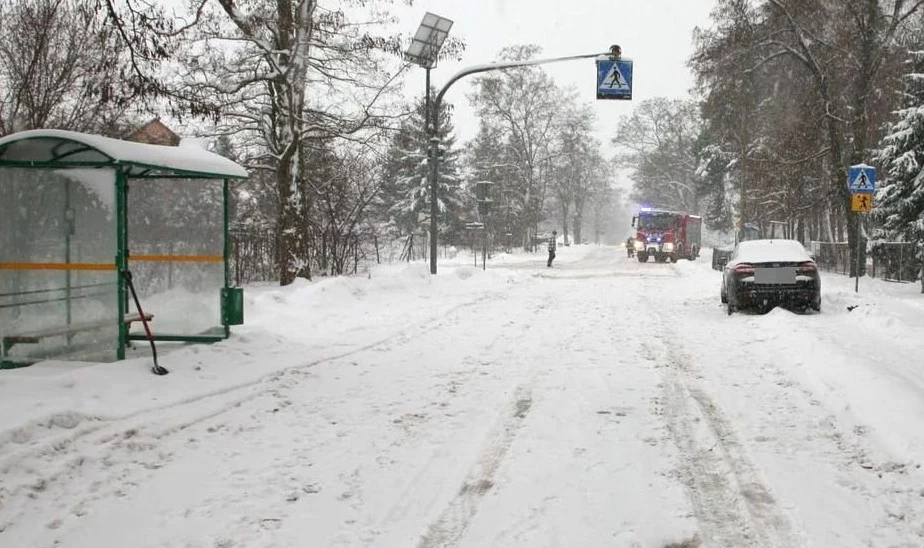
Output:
(286, 327)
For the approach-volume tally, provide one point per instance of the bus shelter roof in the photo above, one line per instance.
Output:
(54, 148)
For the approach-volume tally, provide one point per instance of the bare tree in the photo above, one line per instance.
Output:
(658, 141)
(521, 103)
(345, 183)
(281, 76)
(581, 170)
(59, 68)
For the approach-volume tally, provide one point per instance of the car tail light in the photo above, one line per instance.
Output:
(743, 270)
(807, 269)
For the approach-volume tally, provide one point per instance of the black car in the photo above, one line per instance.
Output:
(767, 273)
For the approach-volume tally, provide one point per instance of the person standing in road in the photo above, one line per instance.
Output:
(552, 247)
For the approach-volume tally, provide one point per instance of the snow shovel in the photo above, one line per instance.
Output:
(157, 369)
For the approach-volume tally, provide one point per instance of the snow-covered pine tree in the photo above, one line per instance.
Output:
(486, 162)
(405, 191)
(900, 200)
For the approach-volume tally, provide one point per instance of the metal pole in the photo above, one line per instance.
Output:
(857, 283)
(430, 133)
(434, 210)
(121, 258)
(432, 159)
(225, 251)
(69, 225)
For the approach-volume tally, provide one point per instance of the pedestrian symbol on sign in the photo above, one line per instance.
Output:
(614, 79)
(862, 178)
(861, 182)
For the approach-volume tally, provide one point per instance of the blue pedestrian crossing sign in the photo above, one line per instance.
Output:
(862, 179)
(614, 79)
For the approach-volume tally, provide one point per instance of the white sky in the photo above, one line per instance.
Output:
(655, 34)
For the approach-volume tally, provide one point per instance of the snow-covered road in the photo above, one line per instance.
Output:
(599, 403)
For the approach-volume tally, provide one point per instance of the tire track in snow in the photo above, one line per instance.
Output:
(448, 529)
(102, 424)
(503, 345)
(54, 465)
(732, 503)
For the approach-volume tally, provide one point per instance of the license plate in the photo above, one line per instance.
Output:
(783, 275)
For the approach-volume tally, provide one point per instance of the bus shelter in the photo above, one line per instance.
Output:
(78, 212)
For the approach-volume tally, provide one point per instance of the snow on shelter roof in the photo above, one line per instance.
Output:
(59, 148)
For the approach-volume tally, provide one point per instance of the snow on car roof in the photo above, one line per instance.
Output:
(50, 146)
(767, 251)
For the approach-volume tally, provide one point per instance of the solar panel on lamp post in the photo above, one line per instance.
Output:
(424, 51)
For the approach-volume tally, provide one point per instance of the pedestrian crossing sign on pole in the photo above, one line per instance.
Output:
(614, 79)
(862, 179)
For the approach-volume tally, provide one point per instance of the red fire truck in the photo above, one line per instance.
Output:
(664, 235)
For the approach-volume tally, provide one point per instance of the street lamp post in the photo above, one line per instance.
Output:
(424, 51)
(614, 52)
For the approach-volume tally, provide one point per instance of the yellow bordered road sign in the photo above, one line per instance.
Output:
(861, 203)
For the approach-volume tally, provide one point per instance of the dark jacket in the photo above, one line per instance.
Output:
(552, 244)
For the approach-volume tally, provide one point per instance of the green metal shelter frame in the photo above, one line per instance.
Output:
(63, 150)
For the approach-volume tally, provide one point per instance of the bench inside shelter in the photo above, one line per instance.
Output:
(35, 337)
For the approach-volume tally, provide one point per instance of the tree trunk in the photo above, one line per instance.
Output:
(564, 221)
(295, 30)
(291, 233)
(578, 219)
(839, 188)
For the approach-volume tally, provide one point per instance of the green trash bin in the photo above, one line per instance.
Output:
(232, 306)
